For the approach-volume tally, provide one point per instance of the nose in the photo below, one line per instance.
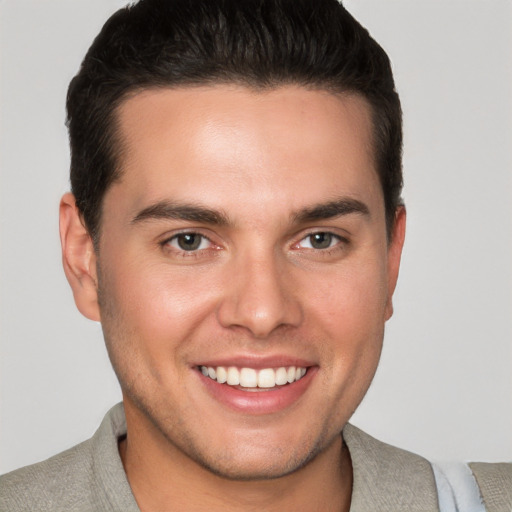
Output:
(260, 297)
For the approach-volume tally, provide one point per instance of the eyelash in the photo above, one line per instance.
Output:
(340, 243)
(194, 253)
(331, 237)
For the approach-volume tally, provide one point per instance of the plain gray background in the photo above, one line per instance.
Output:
(444, 388)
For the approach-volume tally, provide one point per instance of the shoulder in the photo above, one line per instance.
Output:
(58, 483)
(387, 477)
(495, 483)
(88, 477)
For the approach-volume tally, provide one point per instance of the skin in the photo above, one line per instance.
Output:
(255, 287)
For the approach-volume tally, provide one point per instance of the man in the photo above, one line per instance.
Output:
(236, 226)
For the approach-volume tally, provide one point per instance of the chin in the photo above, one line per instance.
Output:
(257, 458)
(243, 469)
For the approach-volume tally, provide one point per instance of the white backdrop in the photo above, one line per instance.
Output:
(444, 388)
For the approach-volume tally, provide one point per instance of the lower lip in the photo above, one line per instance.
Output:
(259, 400)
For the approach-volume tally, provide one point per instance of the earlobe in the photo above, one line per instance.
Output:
(78, 258)
(394, 255)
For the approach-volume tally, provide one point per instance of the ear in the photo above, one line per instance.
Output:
(394, 254)
(78, 258)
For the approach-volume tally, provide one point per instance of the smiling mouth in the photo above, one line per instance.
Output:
(251, 378)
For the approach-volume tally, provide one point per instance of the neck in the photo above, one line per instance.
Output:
(163, 478)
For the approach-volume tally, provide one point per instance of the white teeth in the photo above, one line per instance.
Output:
(233, 376)
(251, 378)
(248, 378)
(222, 375)
(282, 376)
(266, 378)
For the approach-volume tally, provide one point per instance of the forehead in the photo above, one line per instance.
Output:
(285, 146)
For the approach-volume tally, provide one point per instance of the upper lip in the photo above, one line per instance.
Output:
(257, 362)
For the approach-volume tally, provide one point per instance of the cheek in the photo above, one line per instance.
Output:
(154, 308)
(350, 310)
(351, 301)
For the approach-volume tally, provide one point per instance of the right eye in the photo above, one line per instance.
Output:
(189, 242)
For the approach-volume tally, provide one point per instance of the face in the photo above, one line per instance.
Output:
(244, 272)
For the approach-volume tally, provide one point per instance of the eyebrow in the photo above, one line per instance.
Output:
(195, 213)
(181, 211)
(332, 209)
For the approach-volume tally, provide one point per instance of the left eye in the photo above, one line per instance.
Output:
(189, 242)
(320, 240)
